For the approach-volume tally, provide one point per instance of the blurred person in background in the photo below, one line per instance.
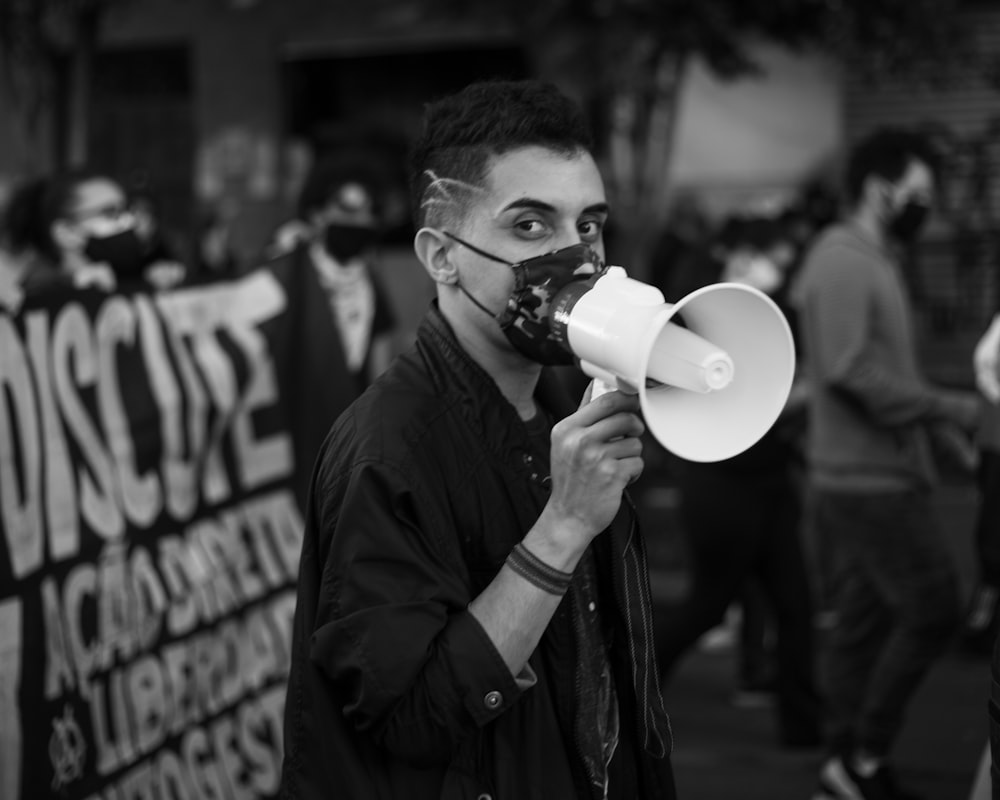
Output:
(741, 520)
(685, 235)
(982, 621)
(16, 253)
(214, 256)
(165, 267)
(339, 208)
(893, 584)
(78, 228)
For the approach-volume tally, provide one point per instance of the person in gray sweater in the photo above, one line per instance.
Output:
(873, 419)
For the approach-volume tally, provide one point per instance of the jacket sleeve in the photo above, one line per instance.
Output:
(414, 668)
(842, 350)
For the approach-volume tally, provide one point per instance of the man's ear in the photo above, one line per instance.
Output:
(433, 249)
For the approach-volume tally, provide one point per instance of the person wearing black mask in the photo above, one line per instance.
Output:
(873, 418)
(338, 220)
(84, 232)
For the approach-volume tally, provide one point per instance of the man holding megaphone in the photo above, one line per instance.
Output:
(474, 614)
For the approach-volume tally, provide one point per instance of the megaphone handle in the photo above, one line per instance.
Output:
(603, 387)
(605, 381)
(599, 387)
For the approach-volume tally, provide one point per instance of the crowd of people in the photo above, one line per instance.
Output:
(81, 228)
(474, 615)
(829, 537)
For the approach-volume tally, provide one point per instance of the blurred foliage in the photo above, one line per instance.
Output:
(623, 59)
(883, 36)
(627, 57)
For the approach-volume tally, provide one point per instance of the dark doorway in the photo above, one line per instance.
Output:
(374, 102)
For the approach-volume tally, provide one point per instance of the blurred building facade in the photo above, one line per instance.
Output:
(222, 104)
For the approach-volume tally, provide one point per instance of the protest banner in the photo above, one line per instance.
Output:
(155, 451)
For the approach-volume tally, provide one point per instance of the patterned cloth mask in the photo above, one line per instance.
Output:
(526, 317)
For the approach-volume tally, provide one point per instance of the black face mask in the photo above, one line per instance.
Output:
(344, 242)
(526, 319)
(907, 222)
(124, 252)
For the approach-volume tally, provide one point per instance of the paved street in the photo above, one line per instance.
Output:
(723, 752)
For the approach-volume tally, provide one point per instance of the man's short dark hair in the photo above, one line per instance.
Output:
(38, 203)
(487, 119)
(886, 152)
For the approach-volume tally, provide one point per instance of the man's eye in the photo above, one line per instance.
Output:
(530, 226)
(591, 229)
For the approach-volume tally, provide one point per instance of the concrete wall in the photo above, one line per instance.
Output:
(752, 141)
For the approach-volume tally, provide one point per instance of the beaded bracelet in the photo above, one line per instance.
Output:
(537, 572)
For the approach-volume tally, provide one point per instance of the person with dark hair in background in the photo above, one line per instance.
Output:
(872, 416)
(741, 521)
(338, 206)
(82, 231)
(474, 612)
(17, 248)
(986, 368)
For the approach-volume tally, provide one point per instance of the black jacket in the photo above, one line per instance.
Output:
(421, 490)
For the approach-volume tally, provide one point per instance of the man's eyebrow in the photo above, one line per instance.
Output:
(539, 205)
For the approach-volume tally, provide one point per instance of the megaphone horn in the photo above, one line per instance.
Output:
(709, 388)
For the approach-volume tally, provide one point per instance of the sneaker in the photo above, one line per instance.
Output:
(839, 781)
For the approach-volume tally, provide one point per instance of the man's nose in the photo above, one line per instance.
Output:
(571, 236)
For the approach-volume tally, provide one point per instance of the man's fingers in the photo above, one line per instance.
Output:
(605, 405)
(622, 449)
(633, 468)
(615, 427)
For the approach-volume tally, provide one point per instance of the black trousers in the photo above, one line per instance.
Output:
(740, 527)
(988, 517)
(895, 594)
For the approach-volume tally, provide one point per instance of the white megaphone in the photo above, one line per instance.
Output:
(710, 387)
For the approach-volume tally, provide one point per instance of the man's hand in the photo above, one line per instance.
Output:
(986, 362)
(596, 453)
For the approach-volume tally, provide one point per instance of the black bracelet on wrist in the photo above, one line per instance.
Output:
(537, 572)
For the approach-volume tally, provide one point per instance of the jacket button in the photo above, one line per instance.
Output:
(493, 700)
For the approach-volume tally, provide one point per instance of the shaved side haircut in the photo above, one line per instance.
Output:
(450, 161)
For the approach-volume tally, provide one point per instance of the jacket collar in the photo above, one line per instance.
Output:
(453, 370)
(455, 375)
